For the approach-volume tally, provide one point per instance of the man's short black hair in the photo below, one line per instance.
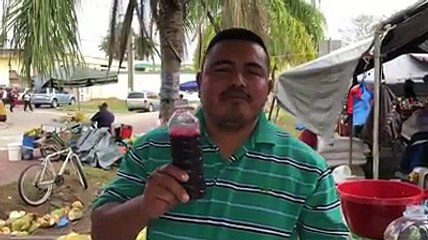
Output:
(240, 34)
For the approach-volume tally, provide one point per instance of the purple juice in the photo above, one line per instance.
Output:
(186, 154)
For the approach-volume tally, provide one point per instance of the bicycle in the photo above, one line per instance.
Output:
(54, 141)
(44, 187)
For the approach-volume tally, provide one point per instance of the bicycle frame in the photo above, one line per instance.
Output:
(47, 164)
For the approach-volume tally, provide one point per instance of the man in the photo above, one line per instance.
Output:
(103, 118)
(12, 98)
(26, 97)
(261, 182)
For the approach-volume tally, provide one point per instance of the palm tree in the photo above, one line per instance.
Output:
(45, 32)
(3, 32)
(47, 37)
(144, 47)
(295, 28)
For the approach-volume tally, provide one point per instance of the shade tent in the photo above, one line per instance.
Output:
(314, 91)
(80, 76)
(189, 86)
(407, 66)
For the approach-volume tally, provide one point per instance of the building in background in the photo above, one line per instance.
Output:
(9, 68)
(328, 46)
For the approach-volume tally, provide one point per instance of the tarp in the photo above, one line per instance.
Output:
(407, 66)
(97, 148)
(314, 92)
(189, 86)
(80, 76)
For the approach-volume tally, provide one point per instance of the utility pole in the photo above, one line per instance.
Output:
(131, 56)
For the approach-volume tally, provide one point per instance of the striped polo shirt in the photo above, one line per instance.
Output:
(273, 187)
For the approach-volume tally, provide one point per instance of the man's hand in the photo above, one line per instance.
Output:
(164, 191)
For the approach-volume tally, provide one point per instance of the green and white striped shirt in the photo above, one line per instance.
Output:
(273, 187)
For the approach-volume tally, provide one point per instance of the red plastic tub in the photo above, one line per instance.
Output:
(126, 131)
(370, 205)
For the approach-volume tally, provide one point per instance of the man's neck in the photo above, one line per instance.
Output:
(229, 141)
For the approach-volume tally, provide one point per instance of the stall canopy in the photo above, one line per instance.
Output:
(80, 76)
(189, 86)
(408, 66)
(314, 92)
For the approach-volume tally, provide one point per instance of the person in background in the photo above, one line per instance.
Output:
(409, 91)
(12, 98)
(262, 182)
(103, 118)
(359, 105)
(26, 97)
(3, 113)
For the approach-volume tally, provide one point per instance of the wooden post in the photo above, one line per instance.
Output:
(272, 104)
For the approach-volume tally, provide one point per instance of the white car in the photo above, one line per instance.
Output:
(145, 100)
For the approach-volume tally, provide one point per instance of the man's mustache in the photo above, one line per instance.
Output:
(233, 92)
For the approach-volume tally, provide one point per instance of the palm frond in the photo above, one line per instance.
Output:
(291, 30)
(112, 33)
(313, 20)
(126, 29)
(46, 33)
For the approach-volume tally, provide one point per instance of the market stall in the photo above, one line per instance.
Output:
(189, 86)
(79, 77)
(330, 76)
(375, 209)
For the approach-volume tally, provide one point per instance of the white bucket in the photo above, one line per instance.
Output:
(14, 152)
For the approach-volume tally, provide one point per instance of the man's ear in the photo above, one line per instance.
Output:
(198, 81)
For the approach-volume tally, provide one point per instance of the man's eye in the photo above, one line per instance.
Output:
(221, 70)
(255, 72)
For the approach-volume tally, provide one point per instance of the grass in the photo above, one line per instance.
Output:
(115, 105)
(286, 121)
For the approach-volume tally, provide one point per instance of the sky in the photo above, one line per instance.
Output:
(339, 13)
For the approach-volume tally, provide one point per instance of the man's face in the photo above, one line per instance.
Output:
(234, 83)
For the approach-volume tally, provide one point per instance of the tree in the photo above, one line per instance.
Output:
(287, 45)
(290, 40)
(144, 46)
(363, 27)
(3, 32)
(45, 32)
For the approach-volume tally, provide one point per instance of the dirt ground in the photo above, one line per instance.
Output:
(64, 195)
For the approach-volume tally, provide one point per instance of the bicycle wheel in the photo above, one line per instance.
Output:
(79, 169)
(40, 187)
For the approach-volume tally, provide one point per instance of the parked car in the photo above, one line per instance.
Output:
(53, 97)
(145, 100)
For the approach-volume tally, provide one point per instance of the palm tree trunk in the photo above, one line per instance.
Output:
(171, 34)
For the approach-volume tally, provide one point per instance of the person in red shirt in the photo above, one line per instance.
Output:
(354, 93)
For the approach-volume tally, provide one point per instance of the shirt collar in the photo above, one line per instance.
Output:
(265, 131)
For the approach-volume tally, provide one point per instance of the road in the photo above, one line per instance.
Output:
(20, 121)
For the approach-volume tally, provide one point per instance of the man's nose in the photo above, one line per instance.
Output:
(238, 80)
